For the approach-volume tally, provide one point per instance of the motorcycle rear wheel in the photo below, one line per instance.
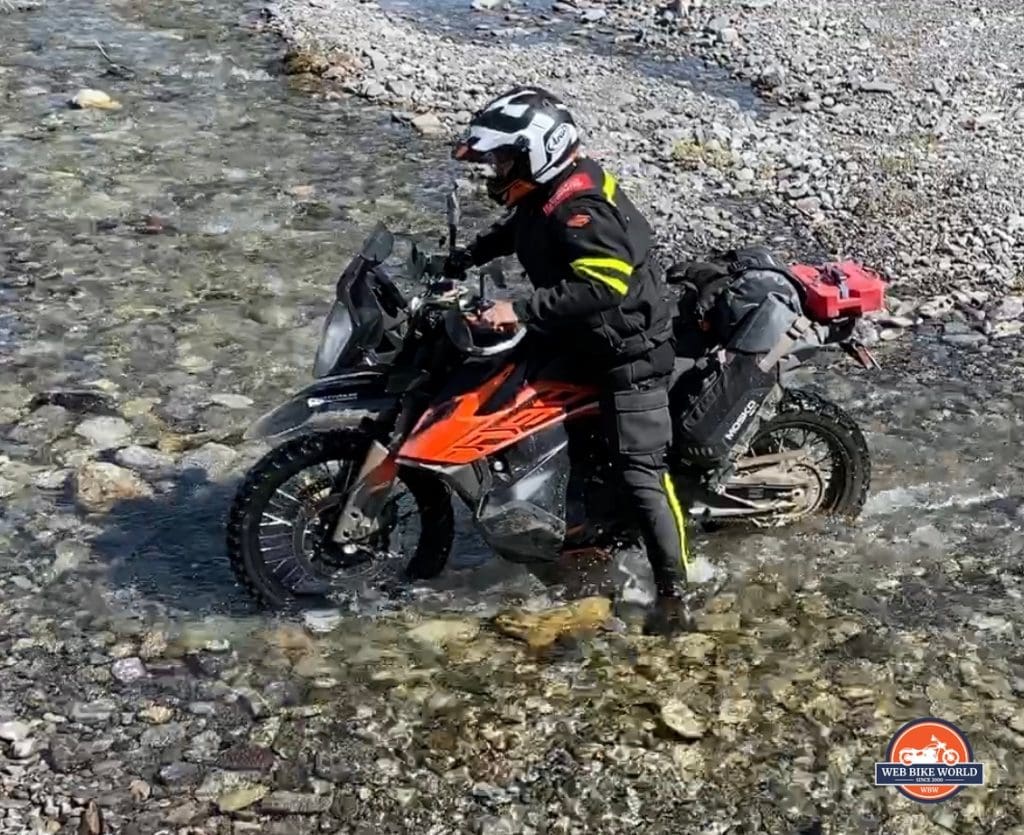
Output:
(822, 422)
(278, 539)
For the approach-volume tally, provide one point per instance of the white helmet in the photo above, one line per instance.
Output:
(527, 135)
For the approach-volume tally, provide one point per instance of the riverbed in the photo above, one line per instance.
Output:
(165, 269)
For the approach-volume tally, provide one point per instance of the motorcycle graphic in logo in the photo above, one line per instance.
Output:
(929, 760)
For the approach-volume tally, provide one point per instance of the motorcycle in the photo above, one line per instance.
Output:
(412, 404)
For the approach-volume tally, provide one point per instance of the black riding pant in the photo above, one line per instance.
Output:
(638, 427)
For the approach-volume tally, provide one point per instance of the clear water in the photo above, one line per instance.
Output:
(187, 244)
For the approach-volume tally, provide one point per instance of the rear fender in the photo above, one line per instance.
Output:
(331, 403)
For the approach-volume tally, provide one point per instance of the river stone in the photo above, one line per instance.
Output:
(717, 621)
(442, 632)
(213, 459)
(69, 556)
(144, 459)
(428, 124)
(13, 731)
(735, 711)
(128, 670)
(179, 775)
(878, 86)
(99, 486)
(163, 736)
(157, 714)
(104, 432)
(99, 711)
(296, 803)
(24, 748)
(541, 629)
(402, 88)
(681, 719)
(241, 798)
(695, 646)
(96, 99)
(231, 401)
(153, 644)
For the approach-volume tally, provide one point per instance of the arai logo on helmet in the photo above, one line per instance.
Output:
(559, 140)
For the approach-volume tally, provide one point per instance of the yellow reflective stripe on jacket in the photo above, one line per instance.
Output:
(617, 284)
(677, 512)
(609, 187)
(610, 271)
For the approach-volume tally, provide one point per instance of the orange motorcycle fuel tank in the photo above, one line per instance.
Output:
(500, 436)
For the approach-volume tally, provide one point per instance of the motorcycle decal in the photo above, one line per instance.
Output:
(929, 760)
(464, 435)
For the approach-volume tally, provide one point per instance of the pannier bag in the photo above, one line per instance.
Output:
(738, 313)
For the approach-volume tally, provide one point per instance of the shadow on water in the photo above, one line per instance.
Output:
(171, 547)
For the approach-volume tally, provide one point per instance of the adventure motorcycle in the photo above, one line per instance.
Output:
(412, 404)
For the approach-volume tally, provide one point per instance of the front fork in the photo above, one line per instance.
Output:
(372, 489)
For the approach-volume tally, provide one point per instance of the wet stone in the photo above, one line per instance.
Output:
(99, 486)
(680, 718)
(99, 711)
(128, 670)
(203, 747)
(104, 432)
(179, 775)
(14, 731)
(322, 621)
(144, 459)
(69, 556)
(296, 803)
(231, 401)
(213, 460)
(163, 736)
(246, 757)
(237, 799)
(718, 621)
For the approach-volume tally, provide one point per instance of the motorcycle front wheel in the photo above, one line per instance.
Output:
(280, 524)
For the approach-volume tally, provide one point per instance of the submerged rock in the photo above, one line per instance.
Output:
(104, 432)
(296, 803)
(680, 718)
(241, 798)
(443, 632)
(541, 629)
(95, 99)
(99, 486)
(13, 731)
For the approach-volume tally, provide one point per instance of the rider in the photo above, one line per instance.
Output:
(585, 248)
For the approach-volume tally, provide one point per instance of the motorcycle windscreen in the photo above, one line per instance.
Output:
(466, 427)
(334, 340)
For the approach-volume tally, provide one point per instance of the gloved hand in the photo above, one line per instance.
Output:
(457, 262)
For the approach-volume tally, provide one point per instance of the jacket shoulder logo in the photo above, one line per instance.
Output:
(576, 184)
(578, 221)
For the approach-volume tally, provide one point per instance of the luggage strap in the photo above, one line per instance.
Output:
(794, 333)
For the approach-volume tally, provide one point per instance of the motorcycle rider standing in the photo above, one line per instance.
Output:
(586, 248)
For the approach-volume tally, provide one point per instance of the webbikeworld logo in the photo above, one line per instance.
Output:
(929, 760)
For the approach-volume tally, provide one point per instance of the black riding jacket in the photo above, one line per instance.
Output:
(585, 248)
